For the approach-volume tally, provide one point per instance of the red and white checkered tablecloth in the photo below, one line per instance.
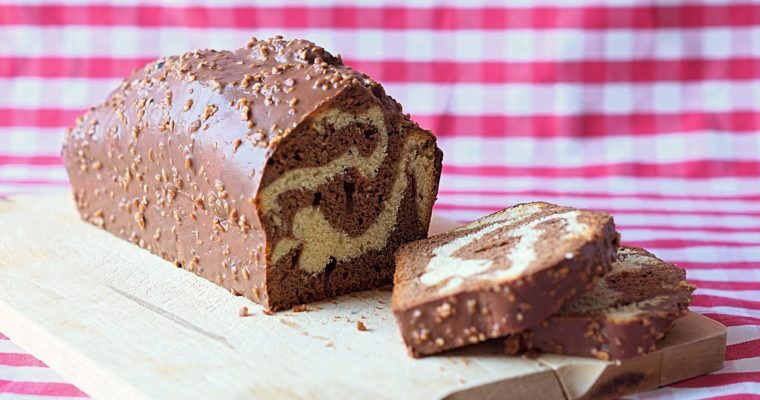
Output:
(649, 109)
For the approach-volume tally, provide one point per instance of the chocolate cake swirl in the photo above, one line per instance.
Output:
(273, 170)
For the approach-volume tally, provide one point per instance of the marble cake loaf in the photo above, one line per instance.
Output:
(624, 316)
(273, 170)
(501, 274)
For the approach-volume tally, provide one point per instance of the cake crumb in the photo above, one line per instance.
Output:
(243, 312)
(300, 308)
(361, 327)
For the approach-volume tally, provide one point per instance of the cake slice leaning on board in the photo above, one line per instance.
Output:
(501, 274)
(624, 316)
(273, 170)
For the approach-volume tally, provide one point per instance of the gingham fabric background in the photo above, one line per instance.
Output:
(647, 109)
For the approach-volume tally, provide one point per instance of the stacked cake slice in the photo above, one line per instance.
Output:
(623, 316)
(546, 277)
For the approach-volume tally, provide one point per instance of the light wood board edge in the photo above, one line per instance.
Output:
(543, 385)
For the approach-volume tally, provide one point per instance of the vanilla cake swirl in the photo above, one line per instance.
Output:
(273, 170)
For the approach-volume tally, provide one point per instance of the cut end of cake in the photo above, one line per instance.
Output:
(359, 180)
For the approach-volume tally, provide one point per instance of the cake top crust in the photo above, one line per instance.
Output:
(271, 84)
(233, 105)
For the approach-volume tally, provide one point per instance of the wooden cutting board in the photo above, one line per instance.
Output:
(121, 323)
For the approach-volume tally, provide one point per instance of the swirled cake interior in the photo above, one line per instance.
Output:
(340, 214)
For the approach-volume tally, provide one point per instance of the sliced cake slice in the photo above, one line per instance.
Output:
(625, 315)
(501, 274)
